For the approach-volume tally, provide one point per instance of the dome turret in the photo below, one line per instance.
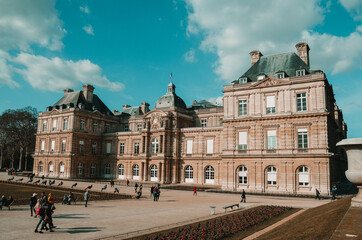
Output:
(170, 99)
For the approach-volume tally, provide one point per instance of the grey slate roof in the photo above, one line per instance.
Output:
(203, 104)
(170, 99)
(270, 65)
(133, 111)
(72, 99)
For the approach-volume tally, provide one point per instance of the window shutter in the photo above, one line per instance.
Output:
(242, 138)
(270, 101)
(108, 147)
(189, 147)
(210, 146)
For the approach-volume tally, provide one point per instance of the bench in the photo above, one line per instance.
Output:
(231, 206)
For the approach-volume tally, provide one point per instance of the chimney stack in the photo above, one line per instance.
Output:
(303, 51)
(145, 107)
(125, 107)
(67, 90)
(88, 92)
(255, 56)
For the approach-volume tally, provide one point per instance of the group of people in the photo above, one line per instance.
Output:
(155, 191)
(138, 190)
(6, 202)
(44, 209)
(68, 198)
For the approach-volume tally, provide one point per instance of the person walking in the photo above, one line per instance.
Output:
(317, 193)
(195, 191)
(243, 198)
(127, 182)
(43, 198)
(112, 183)
(334, 192)
(32, 203)
(135, 187)
(86, 197)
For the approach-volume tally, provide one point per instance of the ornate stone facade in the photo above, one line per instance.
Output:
(276, 133)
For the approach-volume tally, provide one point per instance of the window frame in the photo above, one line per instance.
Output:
(121, 147)
(136, 147)
(302, 138)
(154, 145)
(242, 175)
(302, 102)
(242, 107)
(273, 171)
(82, 125)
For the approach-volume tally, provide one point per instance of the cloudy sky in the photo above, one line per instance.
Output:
(127, 49)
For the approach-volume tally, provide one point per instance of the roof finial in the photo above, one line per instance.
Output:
(171, 77)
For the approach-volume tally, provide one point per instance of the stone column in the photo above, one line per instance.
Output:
(159, 172)
(142, 171)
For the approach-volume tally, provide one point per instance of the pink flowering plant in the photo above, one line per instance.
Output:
(223, 226)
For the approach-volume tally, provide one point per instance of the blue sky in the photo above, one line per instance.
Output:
(127, 49)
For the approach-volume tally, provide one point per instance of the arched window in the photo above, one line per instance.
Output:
(303, 176)
(107, 168)
(40, 166)
(121, 171)
(209, 175)
(136, 172)
(153, 172)
(243, 175)
(61, 167)
(93, 169)
(189, 174)
(154, 146)
(80, 168)
(51, 167)
(272, 175)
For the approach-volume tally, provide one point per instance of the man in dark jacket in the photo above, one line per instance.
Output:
(32, 204)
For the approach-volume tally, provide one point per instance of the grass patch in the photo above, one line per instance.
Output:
(315, 223)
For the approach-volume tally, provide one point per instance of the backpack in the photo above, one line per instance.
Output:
(39, 211)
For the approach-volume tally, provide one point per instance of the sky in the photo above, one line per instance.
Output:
(127, 49)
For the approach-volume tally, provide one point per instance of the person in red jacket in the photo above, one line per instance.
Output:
(195, 191)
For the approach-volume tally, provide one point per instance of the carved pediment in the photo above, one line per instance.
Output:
(269, 81)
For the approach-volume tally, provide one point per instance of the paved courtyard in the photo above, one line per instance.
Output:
(122, 218)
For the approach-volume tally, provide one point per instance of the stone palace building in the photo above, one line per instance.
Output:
(276, 133)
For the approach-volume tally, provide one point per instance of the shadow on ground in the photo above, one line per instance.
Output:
(80, 230)
(73, 216)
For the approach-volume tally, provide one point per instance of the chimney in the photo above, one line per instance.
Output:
(255, 56)
(303, 51)
(88, 92)
(145, 107)
(68, 90)
(125, 106)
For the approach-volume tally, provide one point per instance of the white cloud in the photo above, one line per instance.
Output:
(89, 29)
(56, 74)
(217, 100)
(85, 9)
(269, 26)
(354, 7)
(189, 56)
(6, 71)
(23, 23)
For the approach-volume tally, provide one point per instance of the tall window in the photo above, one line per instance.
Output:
(81, 146)
(209, 146)
(42, 146)
(126, 127)
(203, 122)
(80, 168)
(95, 127)
(243, 107)
(136, 148)
(272, 175)
(51, 167)
(301, 102)
(52, 146)
(40, 166)
(243, 145)
(243, 175)
(136, 170)
(121, 148)
(189, 174)
(108, 128)
(108, 148)
(82, 124)
(44, 126)
(61, 167)
(64, 145)
(303, 176)
(189, 147)
(139, 127)
(271, 139)
(93, 169)
(94, 148)
(209, 174)
(54, 125)
(120, 170)
(107, 168)
(302, 138)
(270, 104)
(154, 145)
(65, 124)
(153, 172)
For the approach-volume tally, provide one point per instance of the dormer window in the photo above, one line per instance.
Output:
(243, 80)
(300, 72)
(280, 75)
(261, 77)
